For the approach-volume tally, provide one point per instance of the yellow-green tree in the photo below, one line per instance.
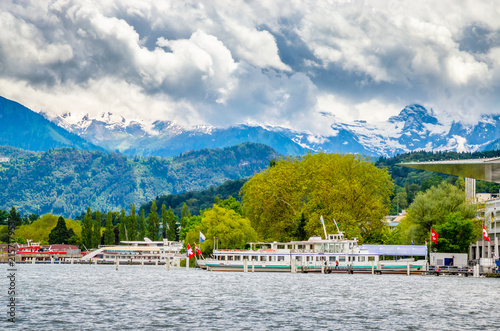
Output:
(231, 230)
(348, 188)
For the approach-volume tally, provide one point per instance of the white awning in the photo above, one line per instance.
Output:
(399, 250)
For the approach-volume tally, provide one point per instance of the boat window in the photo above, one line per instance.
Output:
(342, 258)
(229, 258)
(255, 258)
(298, 258)
(332, 258)
(281, 246)
(371, 258)
(222, 258)
(237, 258)
(281, 258)
(263, 258)
(361, 259)
(271, 258)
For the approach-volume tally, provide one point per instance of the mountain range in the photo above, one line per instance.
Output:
(414, 128)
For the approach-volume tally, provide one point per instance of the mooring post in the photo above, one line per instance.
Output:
(142, 263)
(253, 265)
(167, 264)
(187, 263)
(156, 264)
(373, 267)
(116, 263)
(408, 268)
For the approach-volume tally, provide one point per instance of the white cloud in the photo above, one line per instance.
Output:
(270, 62)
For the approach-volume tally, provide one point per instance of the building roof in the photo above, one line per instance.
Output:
(396, 250)
(487, 169)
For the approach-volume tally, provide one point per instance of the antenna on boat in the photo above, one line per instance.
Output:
(336, 225)
(324, 228)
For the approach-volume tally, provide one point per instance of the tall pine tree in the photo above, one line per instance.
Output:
(164, 217)
(185, 214)
(87, 230)
(142, 226)
(59, 234)
(123, 226)
(133, 223)
(109, 236)
(96, 231)
(153, 223)
(172, 233)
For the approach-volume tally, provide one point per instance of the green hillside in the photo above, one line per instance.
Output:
(65, 181)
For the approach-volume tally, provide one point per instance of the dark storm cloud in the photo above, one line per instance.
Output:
(227, 62)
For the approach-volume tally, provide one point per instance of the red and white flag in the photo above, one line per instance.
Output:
(197, 249)
(434, 236)
(190, 252)
(485, 234)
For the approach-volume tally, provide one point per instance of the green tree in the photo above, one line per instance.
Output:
(172, 231)
(14, 218)
(300, 232)
(190, 224)
(133, 223)
(96, 231)
(164, 218)
(456, 234)
(231, 230)
(185, 214)
(153, 223)
(123, 226)
(433, 207)
(59, 234)
(231, 203)
(87, 229)
(142, 226)
(109, 236)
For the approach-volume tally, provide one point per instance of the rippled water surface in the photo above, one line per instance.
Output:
(74, 297)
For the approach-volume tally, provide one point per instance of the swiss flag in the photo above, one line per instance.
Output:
(434, 236)
(197, 249)
(190, 252)
(485, 234)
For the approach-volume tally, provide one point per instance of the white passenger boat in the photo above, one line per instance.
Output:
(334, 254)
(137, 252)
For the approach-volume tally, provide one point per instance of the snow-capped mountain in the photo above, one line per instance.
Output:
(415, 128)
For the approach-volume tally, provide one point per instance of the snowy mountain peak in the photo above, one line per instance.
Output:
(415, 114)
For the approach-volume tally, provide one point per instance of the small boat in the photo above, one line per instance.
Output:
(334, 254)
(137, 252)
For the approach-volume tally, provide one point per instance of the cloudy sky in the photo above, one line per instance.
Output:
(273, 62)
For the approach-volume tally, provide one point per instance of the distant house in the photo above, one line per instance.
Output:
(393, 221)
(4, 159)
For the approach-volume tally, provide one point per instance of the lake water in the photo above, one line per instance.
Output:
(76, 297)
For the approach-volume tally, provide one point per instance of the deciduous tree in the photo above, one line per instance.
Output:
(348, 188)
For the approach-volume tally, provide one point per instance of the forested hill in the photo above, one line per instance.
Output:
(197, 200)
(65, 181)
